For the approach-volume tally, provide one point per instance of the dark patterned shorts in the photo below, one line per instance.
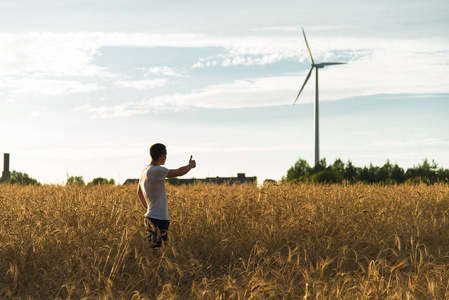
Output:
(157, 231)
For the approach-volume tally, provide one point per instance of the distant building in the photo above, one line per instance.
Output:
(131, 181)
(5, 175)
(241, 178)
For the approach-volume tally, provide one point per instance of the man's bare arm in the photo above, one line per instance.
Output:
(182, 170)
(141, 197)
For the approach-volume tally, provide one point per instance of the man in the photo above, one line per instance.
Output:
(152, 195)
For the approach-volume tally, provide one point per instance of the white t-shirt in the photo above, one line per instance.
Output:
(152, 183)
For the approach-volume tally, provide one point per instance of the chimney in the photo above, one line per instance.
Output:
(6, 174)
(241, 177)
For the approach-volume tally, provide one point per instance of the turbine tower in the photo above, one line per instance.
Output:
(316, 66)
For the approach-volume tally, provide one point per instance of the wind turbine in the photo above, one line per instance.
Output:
(316, 66)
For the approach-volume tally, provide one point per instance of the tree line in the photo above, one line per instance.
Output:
(301, 171)
(389, 173)
(25, 179)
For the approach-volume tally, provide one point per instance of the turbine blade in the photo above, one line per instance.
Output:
(331, 63)
(307, 44)
(307, 78)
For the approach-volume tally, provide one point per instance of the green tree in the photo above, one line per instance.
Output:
(173, 180)
(101, 181)
(21, 178)
(397, 173)
(388, 173)
(338, 166)
(327, 176)
(384, 173)
(321, 166)
(78, 180)
(300, 169)
(351, 172)
(425, 171)
(368, 175)
(269, 181)
(442, 174)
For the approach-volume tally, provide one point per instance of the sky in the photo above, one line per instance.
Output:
(87, 86)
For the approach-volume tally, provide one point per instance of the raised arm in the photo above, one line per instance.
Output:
(182, 170)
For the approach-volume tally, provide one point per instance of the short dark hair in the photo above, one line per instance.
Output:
(157, 150)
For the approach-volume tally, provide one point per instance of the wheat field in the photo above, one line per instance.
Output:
(227, 242)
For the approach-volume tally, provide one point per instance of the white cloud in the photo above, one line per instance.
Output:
(46, 54)
(120, 111)
(359, 78)
(141, 84)
(295, 29)
(13, 87)
(164, 71)
(36, 114)
(72, 53)
(84, 152)
(39, 112)
(43, 54)
(374, 66)
(244, 59)
(254, 92)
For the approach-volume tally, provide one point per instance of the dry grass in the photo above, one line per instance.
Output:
(293, 242)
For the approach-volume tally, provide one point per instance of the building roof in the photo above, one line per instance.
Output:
(241, 178)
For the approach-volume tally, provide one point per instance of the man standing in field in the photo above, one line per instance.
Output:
(152, 194)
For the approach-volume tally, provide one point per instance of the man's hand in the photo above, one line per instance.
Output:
(183, 170)
(192, 163)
